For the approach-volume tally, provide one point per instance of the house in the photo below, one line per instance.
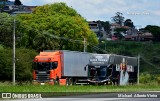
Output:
(130, 37)
(9, 8)
(29, 8)
(24, 10)
(13, 9)
(113, 27)
(93, 26)
(114, 38)
(140, 36)
(3, 3)
(97, 28)
(145, 36)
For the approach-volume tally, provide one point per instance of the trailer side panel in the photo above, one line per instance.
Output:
(74, 64)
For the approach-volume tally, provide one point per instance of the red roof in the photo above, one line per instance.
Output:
(114, 37)
(128, 36)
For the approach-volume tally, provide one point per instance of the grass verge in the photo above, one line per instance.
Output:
(7, 87)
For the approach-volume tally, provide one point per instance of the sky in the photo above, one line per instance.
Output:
(141, 12)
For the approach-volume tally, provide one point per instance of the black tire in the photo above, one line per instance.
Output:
(74, 81)
(69, 81)
(113, 82)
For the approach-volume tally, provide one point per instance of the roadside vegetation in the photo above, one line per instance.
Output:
(24, 59)
(76, 88)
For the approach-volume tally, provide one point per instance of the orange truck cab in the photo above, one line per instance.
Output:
(46, 67)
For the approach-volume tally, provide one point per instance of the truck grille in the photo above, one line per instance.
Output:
(42, 76)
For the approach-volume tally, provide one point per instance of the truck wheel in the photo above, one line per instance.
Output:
(67, 82)
(70, 81)
(74, 81)
(113, 82)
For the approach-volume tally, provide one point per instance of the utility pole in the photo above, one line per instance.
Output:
(105, 45)
(84, 49)
(138, 27)
(13, 58)
(138, 69)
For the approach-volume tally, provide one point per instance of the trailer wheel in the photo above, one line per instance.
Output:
(69, 81)
(74, 81)
(113, 82)
(106, 83)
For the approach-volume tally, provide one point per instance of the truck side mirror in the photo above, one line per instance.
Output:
(85, 68)
(33, 65)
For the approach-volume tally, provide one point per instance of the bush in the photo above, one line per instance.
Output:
(24, 59)
(151, 79)
(1, 47)
(6, 64)
(145, 78)
(158, 79)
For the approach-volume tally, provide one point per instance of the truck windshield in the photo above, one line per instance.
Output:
(43, 66)
(98, 72)
(103, 71)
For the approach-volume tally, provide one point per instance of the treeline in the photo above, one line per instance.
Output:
(24, 59)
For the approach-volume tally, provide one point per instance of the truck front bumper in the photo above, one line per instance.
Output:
(98, 81)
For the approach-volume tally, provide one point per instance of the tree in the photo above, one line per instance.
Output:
(155, 30)
(23, 65)
(58, 20)
(106, 25)
(129, 23)
(118, 32)
(118, 18)
(17, 2)
(6, 29)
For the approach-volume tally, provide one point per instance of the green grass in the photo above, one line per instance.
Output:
(77, 88)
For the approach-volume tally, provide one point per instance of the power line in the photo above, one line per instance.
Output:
(76, 41)
(97, 48)
(62, 38)
(145, 60)
(156, 57)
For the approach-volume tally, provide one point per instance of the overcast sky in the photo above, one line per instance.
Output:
(141, 12)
